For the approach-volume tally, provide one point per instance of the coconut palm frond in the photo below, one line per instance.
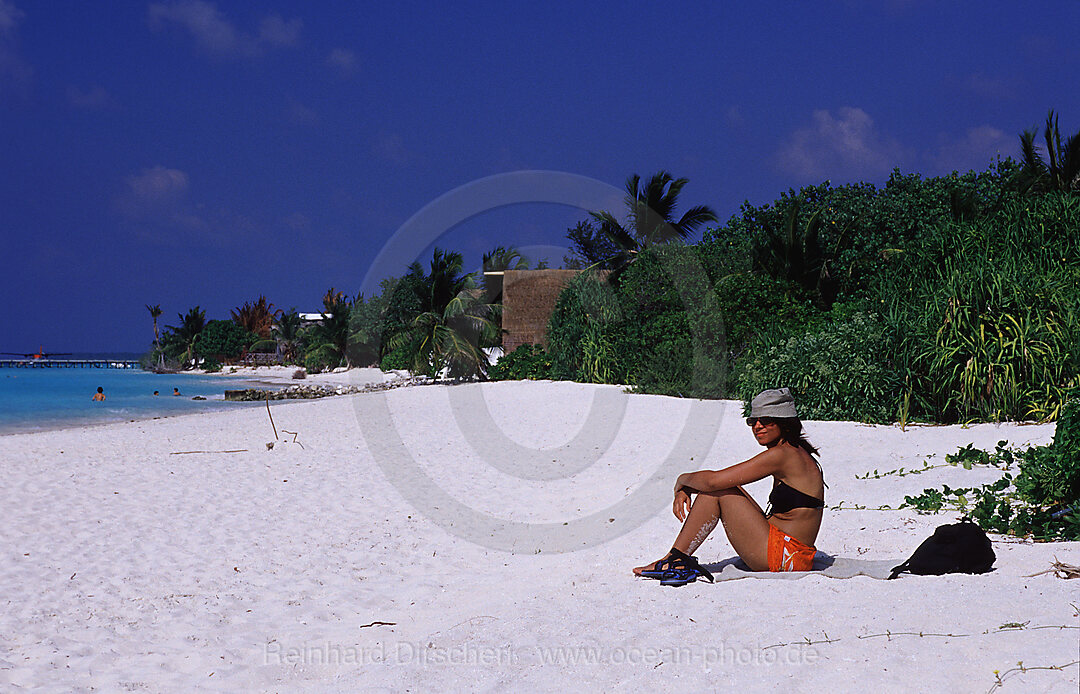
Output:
(186, 335)
(1030, 156)
(456, 320)
(1071, 163)
(694, 219)
(462, 356)
(650, 221)
(1060, 171)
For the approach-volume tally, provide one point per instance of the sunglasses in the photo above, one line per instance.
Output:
(765, 421)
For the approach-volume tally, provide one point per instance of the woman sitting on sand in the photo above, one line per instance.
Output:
(781, 539)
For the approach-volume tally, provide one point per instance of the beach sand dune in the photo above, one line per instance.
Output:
(480, 537)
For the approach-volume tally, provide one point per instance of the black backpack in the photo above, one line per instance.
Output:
(958, 548)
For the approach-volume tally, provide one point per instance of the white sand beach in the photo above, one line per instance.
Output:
(480, 538)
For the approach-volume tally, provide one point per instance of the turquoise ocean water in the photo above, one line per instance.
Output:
(36, 399)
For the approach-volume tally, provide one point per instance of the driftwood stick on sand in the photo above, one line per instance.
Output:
(1059, 569)
(294, 435)
(272, 425)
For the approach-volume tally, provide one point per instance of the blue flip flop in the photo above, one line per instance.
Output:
(679, 577)
(677, 569)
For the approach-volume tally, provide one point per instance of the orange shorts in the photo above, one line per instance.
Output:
(788, 554)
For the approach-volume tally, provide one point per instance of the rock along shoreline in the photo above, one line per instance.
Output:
(313, 392)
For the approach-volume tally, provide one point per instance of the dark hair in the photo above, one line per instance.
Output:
(792, 432)
(99, 389)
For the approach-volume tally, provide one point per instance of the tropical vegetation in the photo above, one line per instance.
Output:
(452, 323)
(951, 299)
(605, 242)
(1042, 498)
(947, 299)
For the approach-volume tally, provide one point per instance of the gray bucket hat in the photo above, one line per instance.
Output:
(773, 403)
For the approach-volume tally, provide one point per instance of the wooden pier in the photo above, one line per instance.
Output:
(69, 363)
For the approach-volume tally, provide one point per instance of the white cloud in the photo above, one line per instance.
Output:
(202, 19)
(12, 67)
(93, 98)
(975, 149)
(158, 184)
(155, 205)
(343, 60)
(844, 146)
(157, 196)
(9, 17)
(275, 31)
(216, 34)
(848, 146)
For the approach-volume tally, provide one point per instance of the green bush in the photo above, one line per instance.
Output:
(211, 366)
(224, 339)
(665, 329)
(366, 324)
(752, 305)
(527, 362)
(586, 311)
(673, 334)
(263, 347)
(837, 371)
(400, 358)
(320, 356)
(400, 301)
(314, 362)
(1043, 501)
(859, 227)
(988, 314)
(943, 299)
(1050, 475)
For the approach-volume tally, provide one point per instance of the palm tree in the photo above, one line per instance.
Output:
(257, 317)
(1061, 170)
(501, 259)
(287, 334)
(651, 221)
(187, 333)
(155, 311)
(331, 333)
(797, 255)
(454, 320)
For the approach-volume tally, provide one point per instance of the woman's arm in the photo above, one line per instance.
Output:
(759, 467)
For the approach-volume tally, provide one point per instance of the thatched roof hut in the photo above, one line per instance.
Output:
(528, 298)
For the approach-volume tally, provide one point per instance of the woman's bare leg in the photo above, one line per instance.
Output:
(746, 527)
(702, 519)
(743, 520)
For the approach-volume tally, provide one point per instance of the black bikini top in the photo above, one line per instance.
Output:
(784, 498)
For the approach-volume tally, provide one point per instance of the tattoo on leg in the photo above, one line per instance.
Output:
(702, 534)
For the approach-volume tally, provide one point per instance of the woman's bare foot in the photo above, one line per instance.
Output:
(650, 567)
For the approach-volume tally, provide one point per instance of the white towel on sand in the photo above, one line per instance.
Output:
(824, 565)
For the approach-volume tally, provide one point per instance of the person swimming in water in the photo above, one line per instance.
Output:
(175, 391)
(99, 395)
(782, 537)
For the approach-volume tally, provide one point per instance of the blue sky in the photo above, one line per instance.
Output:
(192, 152)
